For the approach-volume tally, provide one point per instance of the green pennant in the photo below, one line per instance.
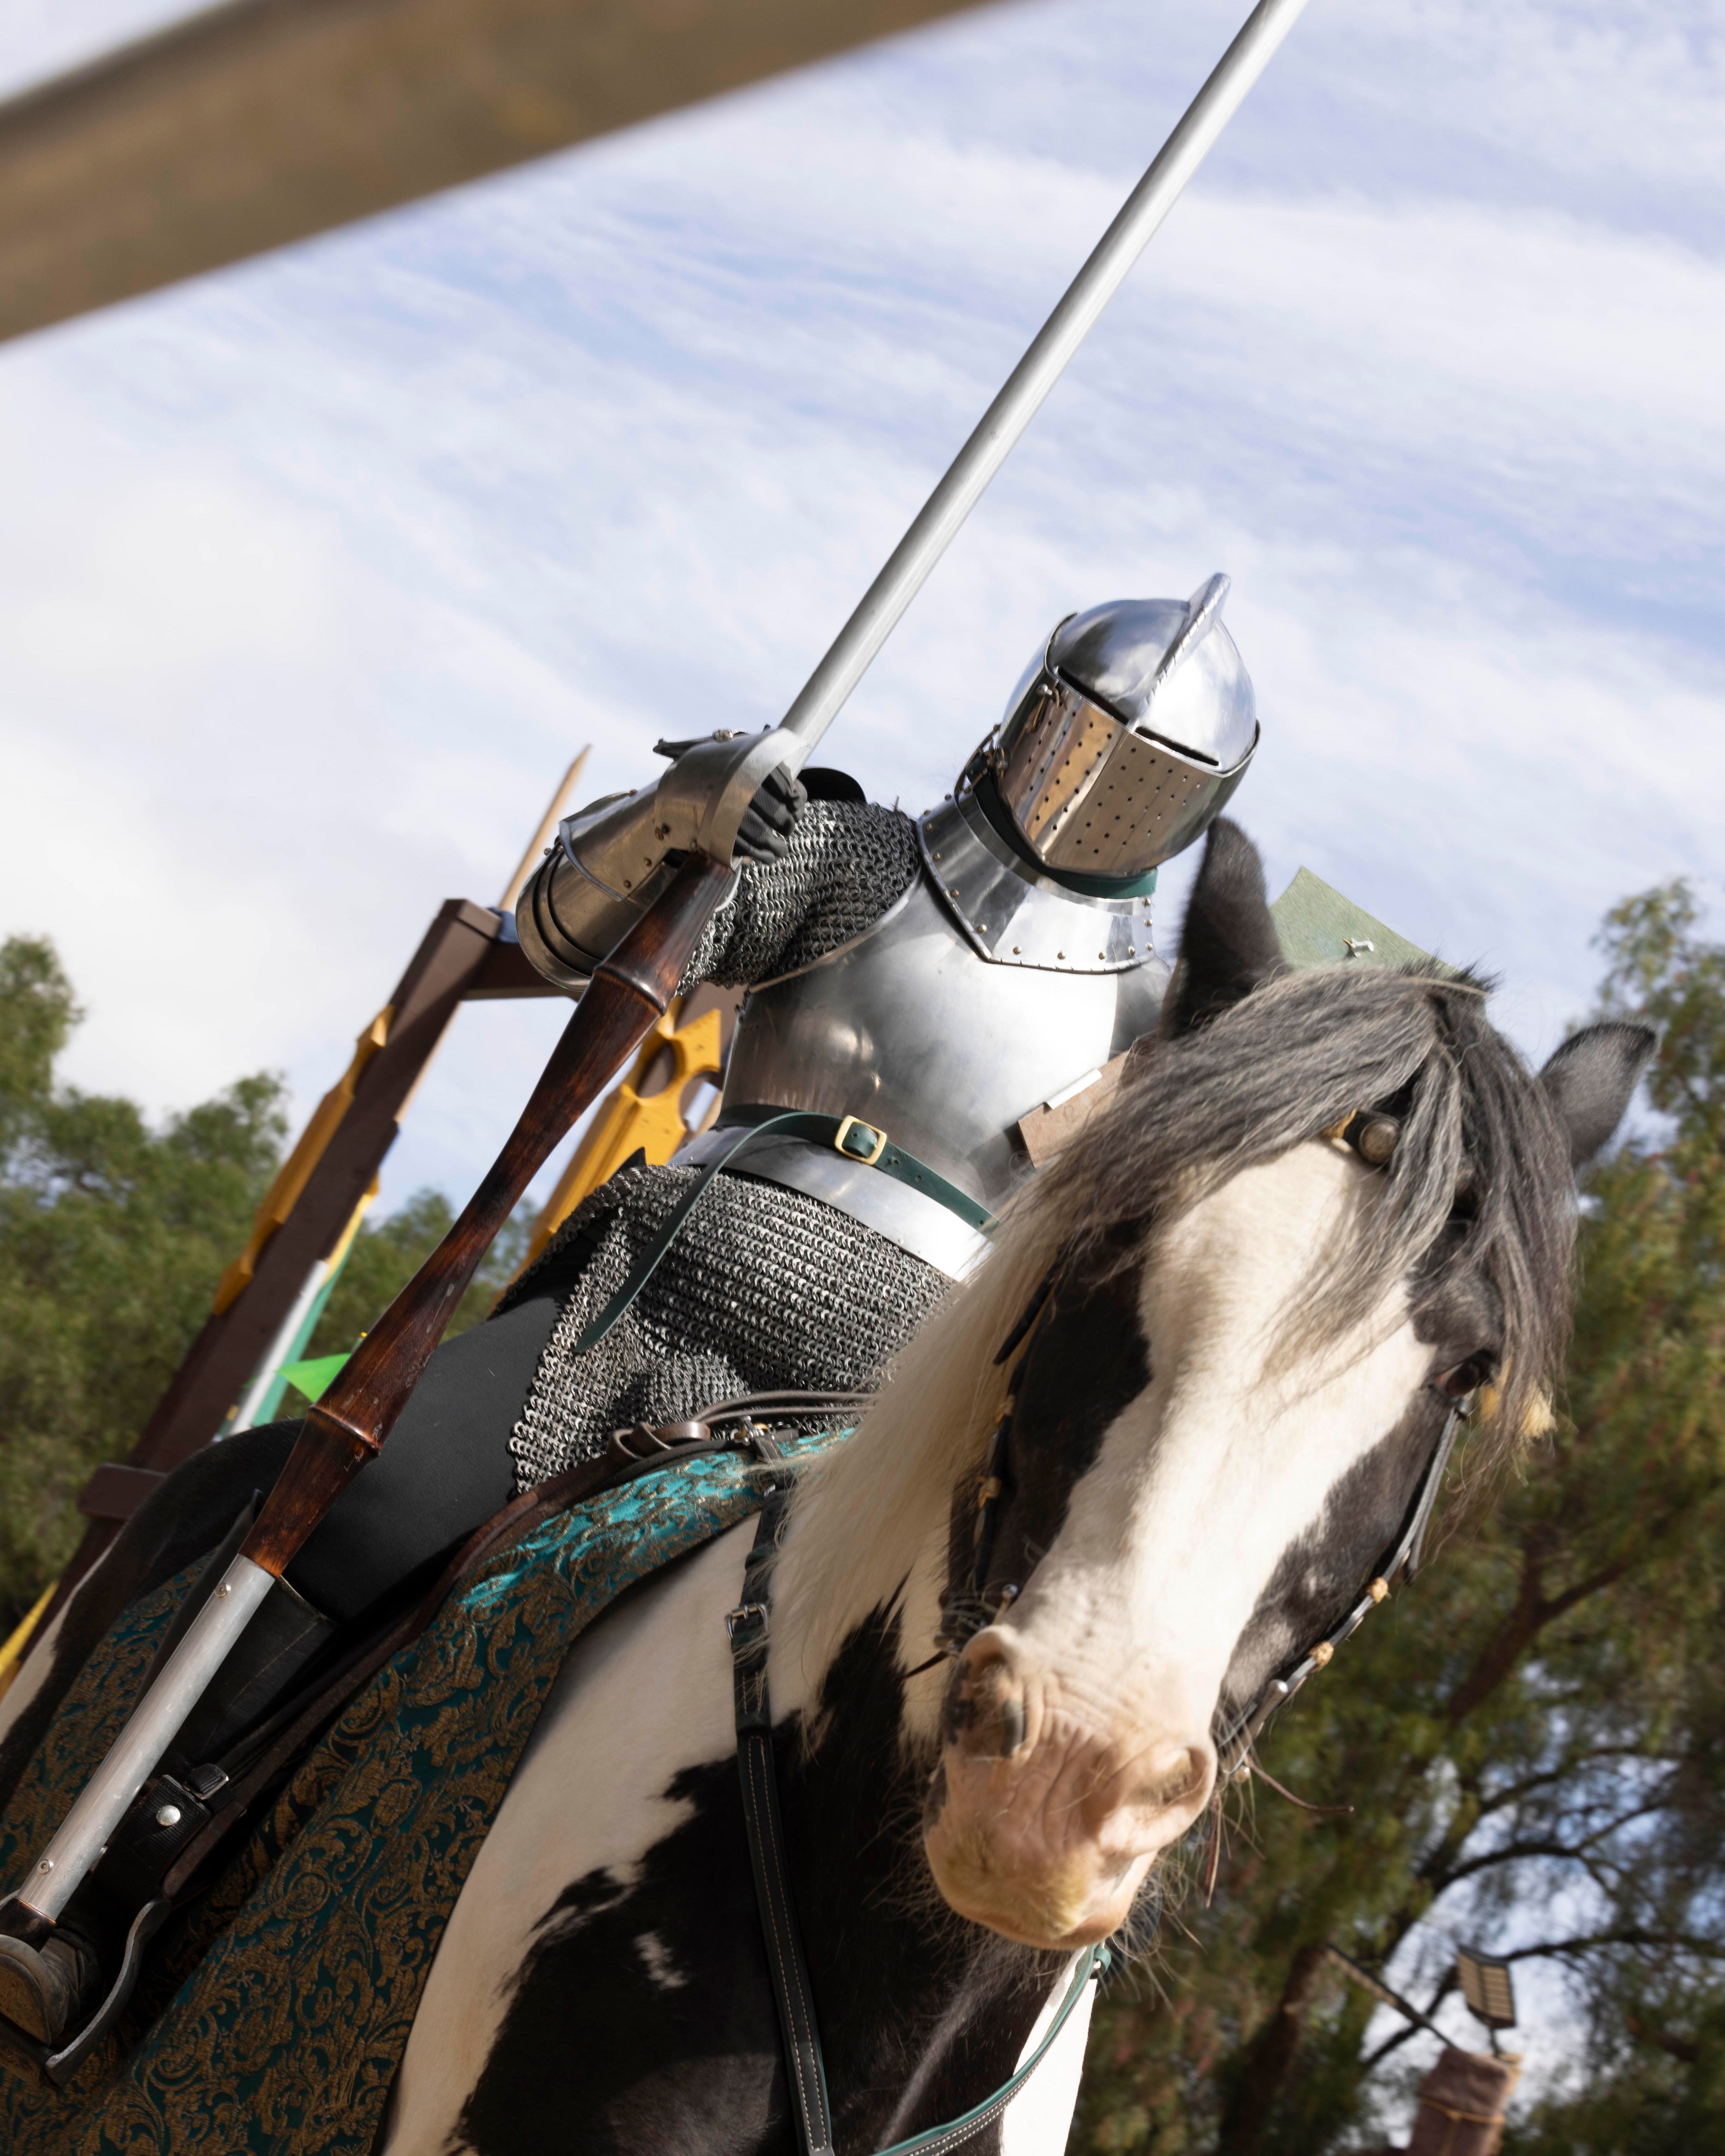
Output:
(313, 1378)
(1317, 926)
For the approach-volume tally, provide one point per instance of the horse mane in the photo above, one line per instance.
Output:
(1282, 1066)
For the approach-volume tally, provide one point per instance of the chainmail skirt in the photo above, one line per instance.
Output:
(764, 1290)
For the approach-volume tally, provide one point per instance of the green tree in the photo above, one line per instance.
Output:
(388, 1253)
(1532, 1737)
(112, 1237)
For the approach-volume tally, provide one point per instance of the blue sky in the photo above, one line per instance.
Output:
(312, 574)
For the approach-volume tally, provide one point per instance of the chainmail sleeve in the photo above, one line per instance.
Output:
(844, 864)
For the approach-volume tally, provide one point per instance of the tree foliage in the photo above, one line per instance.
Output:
(388, 1253)
(112, 1237)
(1533, 1737)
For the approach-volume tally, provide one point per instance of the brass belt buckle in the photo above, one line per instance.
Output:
(855, 1123)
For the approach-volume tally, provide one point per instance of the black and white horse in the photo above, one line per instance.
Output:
(1229, 1401)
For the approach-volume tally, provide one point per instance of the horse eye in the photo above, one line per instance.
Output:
(1466, 1378)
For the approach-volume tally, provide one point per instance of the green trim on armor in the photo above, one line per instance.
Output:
(751, 1124)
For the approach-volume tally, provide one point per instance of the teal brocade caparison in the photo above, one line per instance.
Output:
(273, 2022)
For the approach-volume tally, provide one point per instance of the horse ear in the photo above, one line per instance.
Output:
(1590, 1079)
(1229, 945)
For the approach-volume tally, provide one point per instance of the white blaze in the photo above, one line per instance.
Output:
(1203, 1482)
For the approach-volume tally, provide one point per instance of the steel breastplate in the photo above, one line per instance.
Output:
(971, 1001)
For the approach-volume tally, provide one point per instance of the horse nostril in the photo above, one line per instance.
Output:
(1170, 1775)
(1012, 1726)
(987, 1712)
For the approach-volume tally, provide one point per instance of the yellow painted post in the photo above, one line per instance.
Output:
(11, 1654)
(634, 1122)
(295, 1171)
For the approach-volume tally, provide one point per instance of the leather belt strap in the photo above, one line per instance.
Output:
(1234, 1748)
(748, 1625)
(750, 1628)
(870, 1146)
(848, 1135)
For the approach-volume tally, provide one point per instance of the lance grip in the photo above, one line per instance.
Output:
(628, 994)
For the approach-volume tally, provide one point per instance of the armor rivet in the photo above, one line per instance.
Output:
(1059, 954)
(1017, 949)
(169, 1815)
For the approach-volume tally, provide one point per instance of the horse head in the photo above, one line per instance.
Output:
(1326, 1207)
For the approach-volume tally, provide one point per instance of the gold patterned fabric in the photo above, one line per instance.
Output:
(273, 2016)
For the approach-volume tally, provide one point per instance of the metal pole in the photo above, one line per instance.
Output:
(853, 649)
(107, 1797)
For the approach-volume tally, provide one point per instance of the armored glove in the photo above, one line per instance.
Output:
(610, 862)
(767, 823)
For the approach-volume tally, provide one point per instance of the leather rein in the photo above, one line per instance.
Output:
(965, 1613)
(749, 1626)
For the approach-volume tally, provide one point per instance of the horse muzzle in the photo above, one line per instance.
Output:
(1038, 1823)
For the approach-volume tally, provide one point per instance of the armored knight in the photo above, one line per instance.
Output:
(914, 987)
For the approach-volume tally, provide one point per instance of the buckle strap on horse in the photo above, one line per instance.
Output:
(749, 1627)
(857, 1141)
(1401, 1561)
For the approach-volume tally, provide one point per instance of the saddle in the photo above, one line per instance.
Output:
(187, 1827)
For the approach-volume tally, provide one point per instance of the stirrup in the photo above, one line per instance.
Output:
(45, 1993)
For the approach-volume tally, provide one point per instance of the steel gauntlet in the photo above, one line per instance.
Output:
(612, 859)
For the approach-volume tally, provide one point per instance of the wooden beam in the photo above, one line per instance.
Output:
(263, 121)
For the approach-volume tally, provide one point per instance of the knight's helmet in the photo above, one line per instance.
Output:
(1126, 737)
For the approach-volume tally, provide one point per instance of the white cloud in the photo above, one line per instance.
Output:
(39, 39)
(316, 571)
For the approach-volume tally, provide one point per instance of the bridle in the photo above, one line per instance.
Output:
(1233, 1747)
(966, 1612)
